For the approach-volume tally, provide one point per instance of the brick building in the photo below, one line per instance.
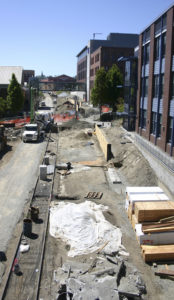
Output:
(103, 53)
(155, 96)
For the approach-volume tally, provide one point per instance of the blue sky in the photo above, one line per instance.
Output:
(46, 35)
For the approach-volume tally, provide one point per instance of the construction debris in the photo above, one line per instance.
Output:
(94, 195)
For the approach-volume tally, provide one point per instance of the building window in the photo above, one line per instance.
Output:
(153, 123)
(158, 26)
(169, 130)
(92, 60)
(96, 69)
(155, 86)
(157, 48)
(146, 79)
(163, 41)
(172, 86)
(92, 72)
(146, 54)
(146, 35)
(160, 125)
(143, 116)
(162, 86)
(97, 57)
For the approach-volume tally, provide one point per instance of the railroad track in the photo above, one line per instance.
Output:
(23, 283)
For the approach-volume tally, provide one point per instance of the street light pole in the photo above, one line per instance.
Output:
(32, 106)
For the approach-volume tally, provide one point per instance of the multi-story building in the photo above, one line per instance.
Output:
(27, 75)
(130, 92)
(103, 53)
(155, 96)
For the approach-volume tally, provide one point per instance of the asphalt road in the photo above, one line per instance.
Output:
(17, 179)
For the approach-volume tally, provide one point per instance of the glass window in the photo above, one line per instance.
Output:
(153, 123)
(147, 53)
(160, 125)
(146, 79)
(157, 48)
(163, 41)
(164, 21)
(169, 130)
(155, 86)
(172, 86)
(143, 116)
(162, 86)
(158, 26)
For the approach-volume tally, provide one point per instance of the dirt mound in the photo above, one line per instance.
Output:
(128, 159)
(83, 135)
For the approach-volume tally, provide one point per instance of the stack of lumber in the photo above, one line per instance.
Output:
(153, 211)
(157, 253)
(134, 198)
(152, 216)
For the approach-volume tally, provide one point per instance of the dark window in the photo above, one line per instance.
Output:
(160, 125)
(158, 26)
(97, 57)
(172, 85)
(164, 21)
(162, 86)
(169, 130)
(163, 41)
(155, 86)
(143, 116)
(147, 53)
(92, 60)
(146, 79)
(91, 72)
(157, 48)
(146, 35)
(153, 123)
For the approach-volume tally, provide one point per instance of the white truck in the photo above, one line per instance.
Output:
(30, 133)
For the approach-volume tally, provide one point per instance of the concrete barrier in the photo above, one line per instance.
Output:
(105, 146)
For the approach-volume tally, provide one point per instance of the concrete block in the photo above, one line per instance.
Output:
(43, 172)
(46, 160)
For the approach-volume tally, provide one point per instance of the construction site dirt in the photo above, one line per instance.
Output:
(99, 274)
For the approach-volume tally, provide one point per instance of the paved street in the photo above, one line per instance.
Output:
(17, 179)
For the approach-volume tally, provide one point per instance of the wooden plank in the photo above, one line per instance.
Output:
(130, 212)
(153, 211)
(156, 225)
(165, 272)
(169, 219)
(162, 229)
(157, 253)
(134, 221)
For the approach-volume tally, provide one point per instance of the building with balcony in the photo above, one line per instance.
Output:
(155, 96)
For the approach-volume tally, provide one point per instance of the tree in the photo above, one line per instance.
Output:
(2, 106)
(107, 87)
(15, 97)
(114, 80)
(99, 91)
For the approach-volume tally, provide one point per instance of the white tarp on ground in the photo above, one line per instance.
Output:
(84, 228)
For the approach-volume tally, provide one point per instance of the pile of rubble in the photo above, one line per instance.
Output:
(106, 278)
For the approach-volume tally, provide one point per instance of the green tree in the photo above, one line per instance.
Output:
(114, 80)
(3, 106)
(15, 97)
(99, 91)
